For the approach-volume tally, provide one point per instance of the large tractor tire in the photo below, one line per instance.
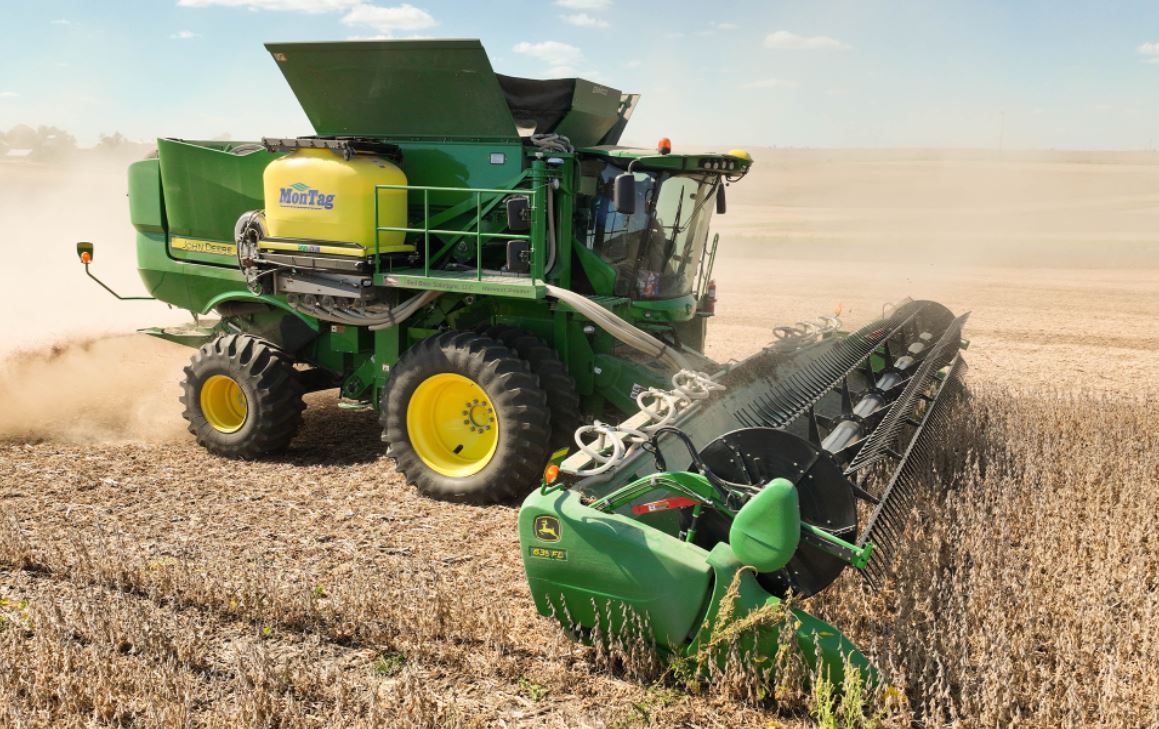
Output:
(465, 419)
(563, 399)
(242, 397)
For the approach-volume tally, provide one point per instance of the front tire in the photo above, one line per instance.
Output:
(242, 397)
(465, 419)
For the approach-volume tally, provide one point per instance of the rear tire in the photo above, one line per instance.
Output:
(562, 396)
(242, 397)
(465, 419)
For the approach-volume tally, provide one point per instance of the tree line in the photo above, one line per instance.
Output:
(48, 143)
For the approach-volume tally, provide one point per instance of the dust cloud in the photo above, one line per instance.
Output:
(965, 208)
(1055, 253)
(44, 210)
(1008, 235)
(70, 366)
(115, 388)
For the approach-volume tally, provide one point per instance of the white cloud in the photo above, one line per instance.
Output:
(386, 36)
(560, 55)
(584, 4)
(8, 94)
(785, 39)
(583, 20)
(389, 20)
(1150, 52)
(184, 35)
(769, 83)
(674, 35)
(61, 21)
(386, 21)
(293, 6)
(725, 26)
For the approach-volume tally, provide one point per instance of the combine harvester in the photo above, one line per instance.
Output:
(475, 257)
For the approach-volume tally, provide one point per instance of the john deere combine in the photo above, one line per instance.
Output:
(474, 256)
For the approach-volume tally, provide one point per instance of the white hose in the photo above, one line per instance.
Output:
(661, 407)
(406, 310)
(550, 230)
(632, 336)
(552, 142)
(375, 320)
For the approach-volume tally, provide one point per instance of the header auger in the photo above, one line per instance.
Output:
(476, 257)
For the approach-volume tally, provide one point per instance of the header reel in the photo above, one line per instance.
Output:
(784, 451)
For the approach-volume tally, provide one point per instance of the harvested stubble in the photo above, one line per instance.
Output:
(1028, 593)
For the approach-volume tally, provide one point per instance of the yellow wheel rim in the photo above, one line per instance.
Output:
(452, 425)
(223, 404)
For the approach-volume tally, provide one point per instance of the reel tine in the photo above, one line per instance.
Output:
(887, 522)
(775, 402)
(885, 436)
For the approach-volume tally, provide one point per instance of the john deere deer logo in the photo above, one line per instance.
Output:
(547, 528)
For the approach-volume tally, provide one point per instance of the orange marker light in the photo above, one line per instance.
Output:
(86, 257)
(551, 473)
(664, 146)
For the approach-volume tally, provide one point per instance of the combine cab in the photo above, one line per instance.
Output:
(474, 257)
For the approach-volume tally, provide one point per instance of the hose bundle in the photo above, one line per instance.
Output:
(377, 318)
(660, 407)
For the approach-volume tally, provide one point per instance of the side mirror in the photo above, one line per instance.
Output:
(624, 194)
(721, 203)
(518, 214)
(84, 251)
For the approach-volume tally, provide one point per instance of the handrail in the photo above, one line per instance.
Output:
(436, 188)
(438, 231)
(426, 230)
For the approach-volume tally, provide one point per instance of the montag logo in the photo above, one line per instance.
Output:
(301, 195)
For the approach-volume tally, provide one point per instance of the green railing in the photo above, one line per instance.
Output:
(426, 230)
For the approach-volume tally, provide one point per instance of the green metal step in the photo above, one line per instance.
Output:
(189, 335)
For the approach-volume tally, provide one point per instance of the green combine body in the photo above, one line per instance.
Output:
(473, 256)
(494, 216)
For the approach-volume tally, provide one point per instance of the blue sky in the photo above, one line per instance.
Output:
(846, 73)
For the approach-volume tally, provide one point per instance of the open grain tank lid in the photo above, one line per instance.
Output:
(440, 89)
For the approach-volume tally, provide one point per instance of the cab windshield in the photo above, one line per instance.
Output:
(657, 250)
